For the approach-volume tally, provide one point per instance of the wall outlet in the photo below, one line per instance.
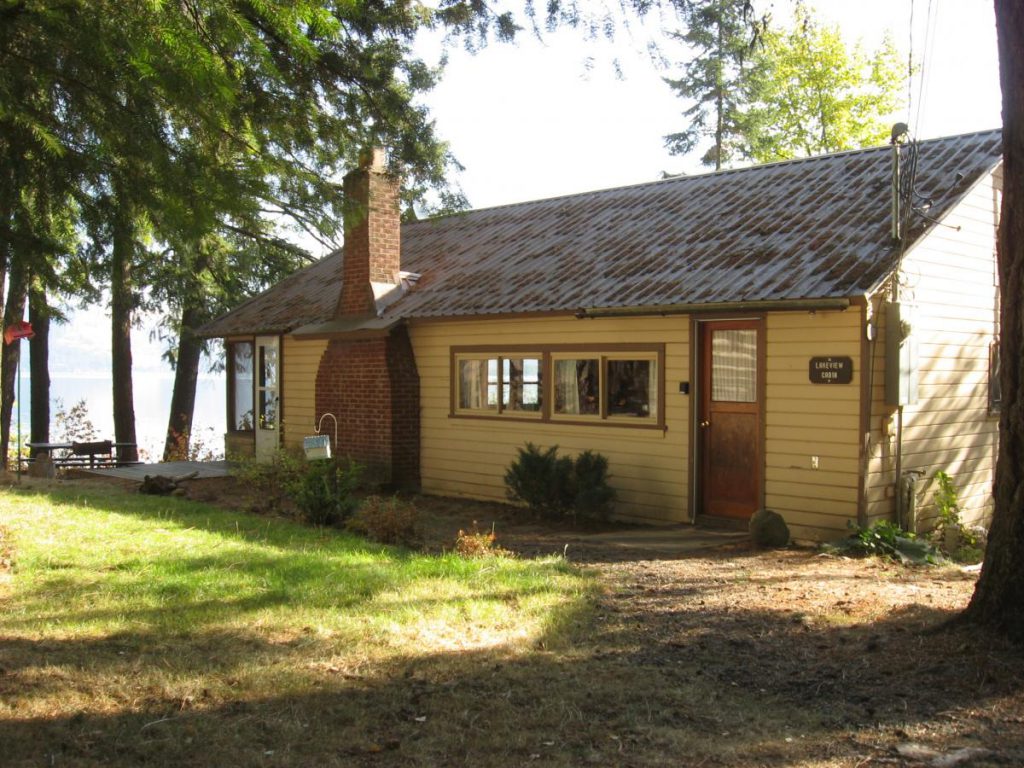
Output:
(814, 462)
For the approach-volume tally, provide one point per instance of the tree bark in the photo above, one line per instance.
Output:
(39, 361)
(998, 600)
(13, 312)
(186, 374)
(121, 305)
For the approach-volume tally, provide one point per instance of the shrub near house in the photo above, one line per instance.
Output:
(555, 486)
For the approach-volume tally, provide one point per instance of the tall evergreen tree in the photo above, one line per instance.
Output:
(720, 36)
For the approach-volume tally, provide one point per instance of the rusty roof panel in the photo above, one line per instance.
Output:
(802, 229)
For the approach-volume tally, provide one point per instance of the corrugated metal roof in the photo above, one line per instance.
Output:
(803, 229)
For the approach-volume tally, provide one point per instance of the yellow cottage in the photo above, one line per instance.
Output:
(815, 337)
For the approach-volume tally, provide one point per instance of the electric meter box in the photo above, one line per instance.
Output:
(900, 354)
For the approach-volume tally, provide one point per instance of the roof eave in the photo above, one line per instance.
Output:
(761, 305)
(347, 328)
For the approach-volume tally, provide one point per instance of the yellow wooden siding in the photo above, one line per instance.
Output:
(301, 360)
(949, 277)
(468, 457)
(805, 420)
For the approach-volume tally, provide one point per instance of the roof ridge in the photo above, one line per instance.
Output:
(827, 156)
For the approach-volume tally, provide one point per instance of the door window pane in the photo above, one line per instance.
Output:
(632, 389)
(242, 386)
(521, 383)
(734, 365)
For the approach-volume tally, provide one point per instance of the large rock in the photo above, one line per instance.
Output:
(768, 529)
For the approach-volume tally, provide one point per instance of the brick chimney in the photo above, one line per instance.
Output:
(373, 245)
(368, 380)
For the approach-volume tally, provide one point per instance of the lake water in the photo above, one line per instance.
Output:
(152, 407)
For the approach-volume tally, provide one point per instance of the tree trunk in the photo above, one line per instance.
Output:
(121, 305)
(13, 312)
(186, 373)
(998, 600)
(39, 357)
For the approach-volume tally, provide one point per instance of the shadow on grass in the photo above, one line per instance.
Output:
(689, 687)
(662, 681)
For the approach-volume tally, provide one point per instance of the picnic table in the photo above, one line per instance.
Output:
(95, 454)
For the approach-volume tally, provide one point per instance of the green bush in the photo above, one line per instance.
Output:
(541, 479)
(594, 498)
(324, 491)
(553, 486)
(887, 539)
(951, 534)
(270, 483)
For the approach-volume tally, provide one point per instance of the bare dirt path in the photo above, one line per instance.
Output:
(739, 657)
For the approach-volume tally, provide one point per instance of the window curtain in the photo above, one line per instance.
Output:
(734, 366)
(567, 381)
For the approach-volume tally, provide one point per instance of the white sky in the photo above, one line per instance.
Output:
(531, 121)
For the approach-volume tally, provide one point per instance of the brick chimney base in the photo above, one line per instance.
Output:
(372, 387)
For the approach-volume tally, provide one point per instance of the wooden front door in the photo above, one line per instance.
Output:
(729, 425)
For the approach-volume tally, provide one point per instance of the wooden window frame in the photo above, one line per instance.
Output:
(499, 355)
(230, 344)
(548, 353)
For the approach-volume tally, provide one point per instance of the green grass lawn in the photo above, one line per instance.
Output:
(126, 616)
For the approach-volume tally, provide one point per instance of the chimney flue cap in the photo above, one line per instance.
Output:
(373, 159)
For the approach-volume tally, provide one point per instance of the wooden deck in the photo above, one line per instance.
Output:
(169, 469)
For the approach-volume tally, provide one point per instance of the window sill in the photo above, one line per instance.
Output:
(614, 423)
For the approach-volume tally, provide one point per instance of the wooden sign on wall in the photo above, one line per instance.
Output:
(831, 370)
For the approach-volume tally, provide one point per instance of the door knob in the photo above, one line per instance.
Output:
(705, 424)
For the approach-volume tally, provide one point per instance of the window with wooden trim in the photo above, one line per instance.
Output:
(577, 387)
(499, 384)
(615, 384)
(241, 386)
(631, 387)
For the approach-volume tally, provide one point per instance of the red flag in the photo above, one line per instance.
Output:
(19, 329)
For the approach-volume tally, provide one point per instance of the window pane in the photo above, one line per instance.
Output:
(242, 386)
(268, 399)
(268, 409)
(268, 367)
(734, 366)
(478, 384)
(576, 387)
(632, 388)
(521, 383)
(492, 383)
